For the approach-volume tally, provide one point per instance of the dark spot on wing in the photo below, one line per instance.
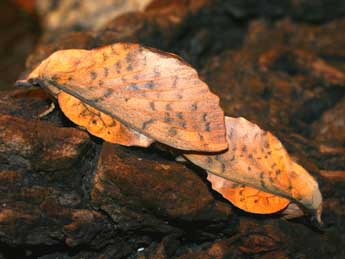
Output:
(113, 50)
(168, 107)
(147, 123)
(209, 160)
(172, 132)
(70, 78)
(231, 133)
(179, 115)
(113, 123)
(152, 105)
(167, 118)
(100, 82)
(106, 71)
(55, 77)
(105, 57)
(108, 92)
(129, 57)
(244, 149)
(194, 106)
(175, 81)
(150, 84)
(132, 87)
(129, 67)
(118, 67)
(207, 126)
(262, 179)
(93, 75)
(223, 167)
(204, 117)
(182, 124)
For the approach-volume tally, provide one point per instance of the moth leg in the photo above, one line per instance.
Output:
(181, 159)
(46, 112)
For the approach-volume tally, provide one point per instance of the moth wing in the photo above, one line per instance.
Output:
(154, 93)
(100, 124)
(257, 159)
(247, 198)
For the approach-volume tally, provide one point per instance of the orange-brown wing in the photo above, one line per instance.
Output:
(152, 92)
(247, 198)
(257, 159)
(100, 124)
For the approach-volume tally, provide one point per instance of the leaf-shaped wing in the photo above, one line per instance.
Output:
(100, 124)
(257, 159)
(247, 198)
(152, 92)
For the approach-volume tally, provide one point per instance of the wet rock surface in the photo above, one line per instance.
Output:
(65, 194)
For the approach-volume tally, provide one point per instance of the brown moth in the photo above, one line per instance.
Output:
(257, 159)
(154, 93)
(131, 95)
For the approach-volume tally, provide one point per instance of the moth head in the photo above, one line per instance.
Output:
(59, 63)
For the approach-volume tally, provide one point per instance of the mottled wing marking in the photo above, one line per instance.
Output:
(247, 198)
(257, 159)
(100, 124)
(154, 93)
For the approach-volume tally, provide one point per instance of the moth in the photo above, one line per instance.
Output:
(256, 166)
(153, 93)
(132, 95)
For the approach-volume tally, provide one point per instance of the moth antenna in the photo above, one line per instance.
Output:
(23, 83)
